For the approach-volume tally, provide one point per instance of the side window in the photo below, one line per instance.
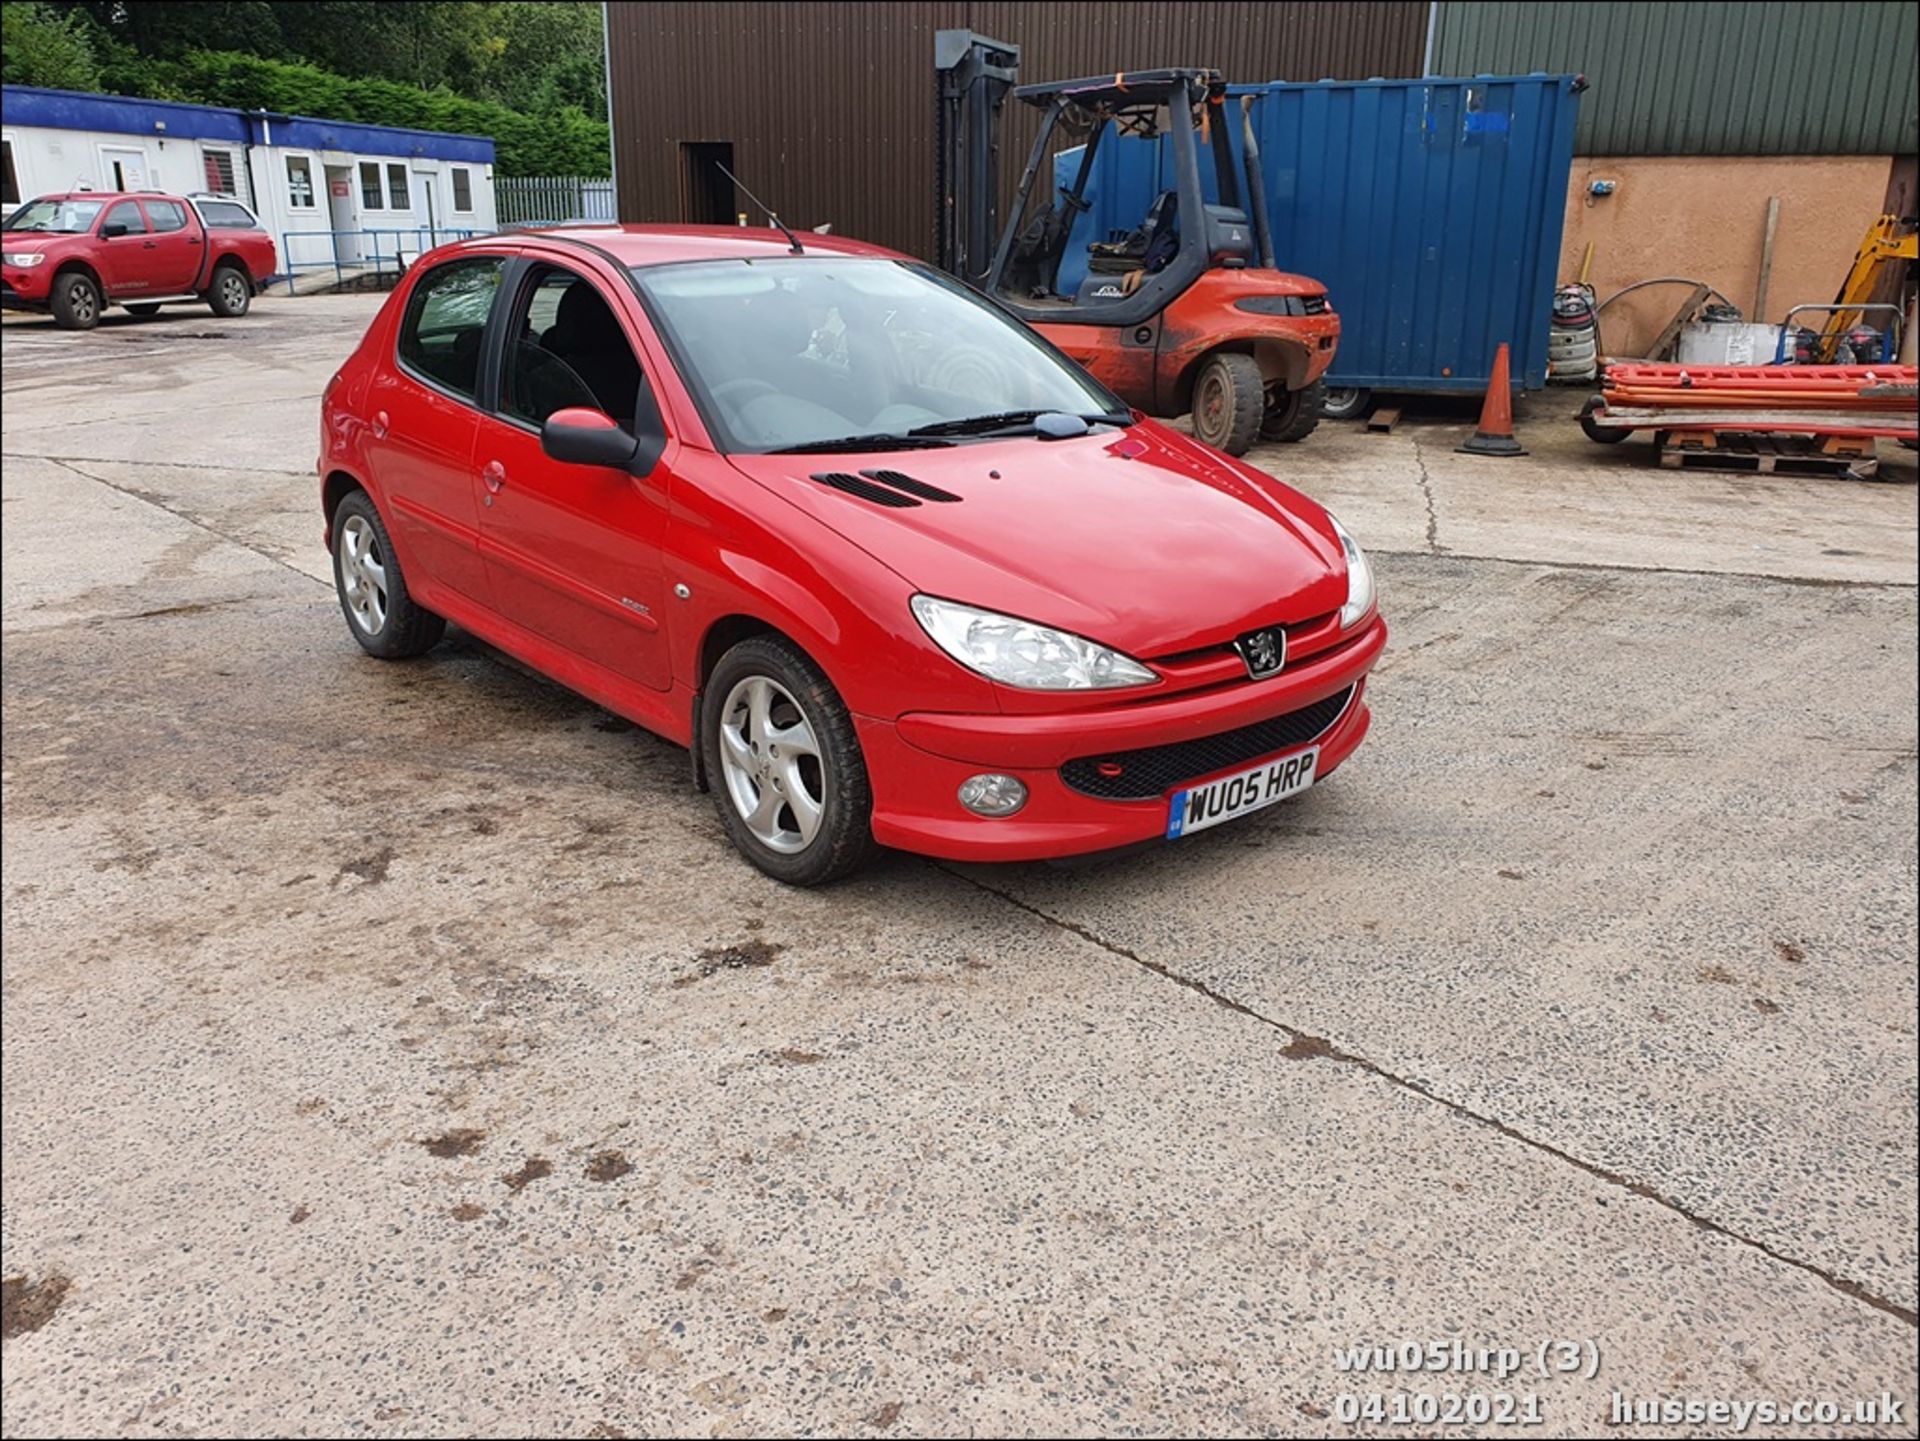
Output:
(299, 182)
(126, 215)
(166, 216)
(446, 314)
(370, 198)
(397, 188)
(227, 215)
(462, 189)
(565, 348)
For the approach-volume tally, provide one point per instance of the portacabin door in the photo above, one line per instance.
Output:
(573, 552)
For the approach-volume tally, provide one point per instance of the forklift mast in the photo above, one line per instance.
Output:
(975, 75)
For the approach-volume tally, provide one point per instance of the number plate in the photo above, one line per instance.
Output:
(1199, 807)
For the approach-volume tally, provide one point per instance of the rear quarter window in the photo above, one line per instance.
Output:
(445, 317)
(225, 215)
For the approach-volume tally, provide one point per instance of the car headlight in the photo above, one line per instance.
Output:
(1020, 653)
(27, 259)
(1359, 580)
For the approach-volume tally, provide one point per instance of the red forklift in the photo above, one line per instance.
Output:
(1187, 312)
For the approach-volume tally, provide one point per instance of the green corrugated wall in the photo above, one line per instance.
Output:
(1737, 78)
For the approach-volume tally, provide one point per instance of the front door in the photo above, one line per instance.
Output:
(424, 414)
(573, 551)
(125, 249)
(122, 168)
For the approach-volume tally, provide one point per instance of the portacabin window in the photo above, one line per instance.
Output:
(446, 316)
(462, 190)
(370, 196)
(397, 197)
(218, 165)
(299, 182)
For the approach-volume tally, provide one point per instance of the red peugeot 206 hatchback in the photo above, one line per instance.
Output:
(897, 571)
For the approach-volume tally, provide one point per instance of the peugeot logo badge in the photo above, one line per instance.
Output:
(1264, 651)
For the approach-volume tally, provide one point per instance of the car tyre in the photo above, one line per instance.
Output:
(144, 308)
(381, 613)
(1228, 401)
(784, 763)
(231, 293)
(75, 301)
(1293, 414)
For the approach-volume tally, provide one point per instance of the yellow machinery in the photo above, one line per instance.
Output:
(1888, 240)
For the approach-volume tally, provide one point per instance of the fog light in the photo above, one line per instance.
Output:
(991, 795)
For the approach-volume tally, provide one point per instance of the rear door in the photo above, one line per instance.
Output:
(422, 411)
(122, 252)
(174, 247)
(573, 551)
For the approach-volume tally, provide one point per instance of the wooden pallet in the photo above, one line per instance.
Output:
(1765, 454)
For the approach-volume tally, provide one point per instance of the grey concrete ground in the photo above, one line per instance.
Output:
(397, 1050)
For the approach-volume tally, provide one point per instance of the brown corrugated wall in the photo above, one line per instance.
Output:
(829, 107)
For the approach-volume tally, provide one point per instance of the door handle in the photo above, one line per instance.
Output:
(380, 425)
(150, 245)
(495, 476)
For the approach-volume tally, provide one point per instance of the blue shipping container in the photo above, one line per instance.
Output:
(1431, 209)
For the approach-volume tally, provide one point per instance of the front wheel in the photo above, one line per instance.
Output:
(1292, 414)
(231, 295)
(75, 301)
(380, 611)
(784, 762)
(1228, 401)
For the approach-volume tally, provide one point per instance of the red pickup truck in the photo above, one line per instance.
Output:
(76, 254)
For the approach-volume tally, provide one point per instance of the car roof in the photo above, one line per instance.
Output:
(107, 195)
(643, 245)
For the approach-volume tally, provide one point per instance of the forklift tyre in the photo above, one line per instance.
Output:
(1293, 414)
(1344, 402)
(1228, 401)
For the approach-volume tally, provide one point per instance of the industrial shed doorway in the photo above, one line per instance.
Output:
(706, 195)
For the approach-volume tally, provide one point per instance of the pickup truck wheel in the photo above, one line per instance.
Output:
(144, 308)
(76, 301)
(230, 294)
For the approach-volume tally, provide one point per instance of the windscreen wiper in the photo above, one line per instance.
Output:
(884, 440)
(1011, 420)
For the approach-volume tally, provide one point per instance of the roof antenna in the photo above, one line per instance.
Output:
(793, 241)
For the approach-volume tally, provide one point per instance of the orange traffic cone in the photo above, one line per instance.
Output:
(1495, 435)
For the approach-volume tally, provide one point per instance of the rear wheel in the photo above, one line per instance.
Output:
(75, 301)
(1292, 414)
(788, 778)
(1344, 402)
(144, 308)
(373, 593)
(231, 293)
(1228, 401)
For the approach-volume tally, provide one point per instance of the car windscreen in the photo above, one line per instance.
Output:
(63, 217)
(226, 215)
(792, 352)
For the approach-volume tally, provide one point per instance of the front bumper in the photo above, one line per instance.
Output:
(917, 763)
(24, 289)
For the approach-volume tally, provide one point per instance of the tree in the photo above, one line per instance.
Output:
(43, 46)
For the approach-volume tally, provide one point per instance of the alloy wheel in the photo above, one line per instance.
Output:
(81, 302)
(770, 760)
(233, 291)
(363, 574)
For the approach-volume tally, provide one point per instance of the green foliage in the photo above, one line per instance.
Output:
(528, 75)
(44, 46)
(565, 142)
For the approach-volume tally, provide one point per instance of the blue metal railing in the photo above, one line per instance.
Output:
(372, 251)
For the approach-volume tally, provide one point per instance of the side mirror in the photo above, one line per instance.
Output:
(580, 436)
(112, 231)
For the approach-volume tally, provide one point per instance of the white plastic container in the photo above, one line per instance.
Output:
(1727, 342)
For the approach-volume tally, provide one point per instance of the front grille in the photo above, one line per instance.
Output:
(1154, 770)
